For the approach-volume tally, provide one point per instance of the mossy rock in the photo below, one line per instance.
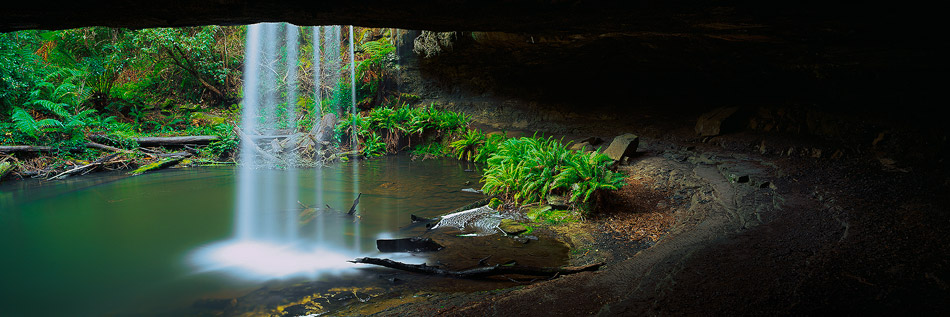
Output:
(558, 202)
(5, 167)
(550, 215)
(208, 118)
(512, 227)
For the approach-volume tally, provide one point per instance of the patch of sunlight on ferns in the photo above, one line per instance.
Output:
(529, 169)
(586, 174)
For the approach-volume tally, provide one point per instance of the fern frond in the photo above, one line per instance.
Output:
(56, 108)
(24, 122)
(49, 123)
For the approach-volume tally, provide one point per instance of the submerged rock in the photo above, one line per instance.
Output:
(512, 227)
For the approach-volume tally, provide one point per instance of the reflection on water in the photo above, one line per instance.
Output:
(111, 244)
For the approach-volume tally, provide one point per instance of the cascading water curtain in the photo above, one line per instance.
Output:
(267, 198)
(318, 110)
(268, 238)
(354, 143)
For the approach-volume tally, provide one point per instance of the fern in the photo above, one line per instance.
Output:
(24, 122)
(47, 124)
(466, 147)
(58, 109)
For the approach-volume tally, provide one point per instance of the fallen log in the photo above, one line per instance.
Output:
(104, 147)
(163, 164)
(85, 168)
(478, 272)
(175, 140)
(24, 148)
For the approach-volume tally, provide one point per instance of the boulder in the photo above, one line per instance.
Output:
(558, 202)
(581, 147)
(594, 141)
(512, 227)
(208, 118)
(622, 146)
(718, 121)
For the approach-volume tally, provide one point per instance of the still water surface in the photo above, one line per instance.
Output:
(119, 245)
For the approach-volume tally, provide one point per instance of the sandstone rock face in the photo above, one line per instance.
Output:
(430, 43)
(623, 145)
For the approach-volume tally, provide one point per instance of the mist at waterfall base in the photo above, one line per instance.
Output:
(269, 240)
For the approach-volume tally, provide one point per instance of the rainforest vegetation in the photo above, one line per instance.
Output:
(69, 97)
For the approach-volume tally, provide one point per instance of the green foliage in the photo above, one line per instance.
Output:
(467, 147)
(373, 146)
(587, 173)
(372, 71)
(20, 68)
(551, 216)
(429, 151)
(405, 120)
(488, 148)
(227, 142)
(527, 170)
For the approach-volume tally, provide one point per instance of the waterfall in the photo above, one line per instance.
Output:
(268, 237)
(354, 143)
(318, 109)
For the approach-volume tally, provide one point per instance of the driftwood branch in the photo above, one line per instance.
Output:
(86, 167)
(355, 202)
(478, 272)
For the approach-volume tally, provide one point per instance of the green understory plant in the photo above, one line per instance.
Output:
(373, 145)
(428, 151)
(587, 174)
(527, 170)
(467, 147)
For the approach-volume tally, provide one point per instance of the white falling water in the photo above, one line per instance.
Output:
(354, 143)
(268, 240)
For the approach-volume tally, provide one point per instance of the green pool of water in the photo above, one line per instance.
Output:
(110, 244)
